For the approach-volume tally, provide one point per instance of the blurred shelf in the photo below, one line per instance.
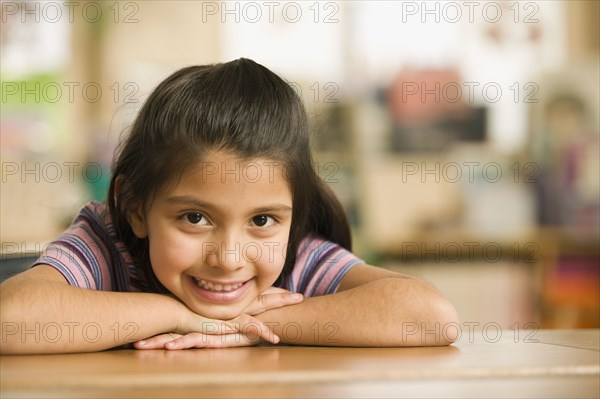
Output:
(540, 245)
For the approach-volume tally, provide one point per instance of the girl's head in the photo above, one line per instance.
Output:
(208, 133)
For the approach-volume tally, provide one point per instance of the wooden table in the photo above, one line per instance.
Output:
(562, 363)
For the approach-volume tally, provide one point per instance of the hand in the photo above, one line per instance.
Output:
(174, 341)
(243, 330)
(273, 298)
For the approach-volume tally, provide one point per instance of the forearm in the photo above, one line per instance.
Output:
(384, 312)
(50, 317)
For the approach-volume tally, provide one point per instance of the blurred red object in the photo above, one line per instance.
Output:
(421, 96)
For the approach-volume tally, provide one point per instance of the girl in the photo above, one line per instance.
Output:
(214, 227)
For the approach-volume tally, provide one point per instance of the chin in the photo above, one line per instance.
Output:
(221, 314)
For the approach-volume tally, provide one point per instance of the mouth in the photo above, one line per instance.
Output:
(216, 287)
(218, 292)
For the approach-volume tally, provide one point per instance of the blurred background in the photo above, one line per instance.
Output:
(461, 137)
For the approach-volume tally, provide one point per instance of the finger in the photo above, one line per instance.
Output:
(199, 340)
(191, 340)
(275, 290)
(221, 327)
(250, 327)
(156, 342)
(266, 302)
(232, 340)
(217, 327)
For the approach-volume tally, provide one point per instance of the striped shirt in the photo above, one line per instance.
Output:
(90, 255)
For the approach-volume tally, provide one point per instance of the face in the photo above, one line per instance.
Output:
(218, 238)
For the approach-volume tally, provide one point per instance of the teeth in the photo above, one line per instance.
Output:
(207, 285)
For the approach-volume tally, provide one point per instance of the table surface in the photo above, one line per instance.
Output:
(525, 363)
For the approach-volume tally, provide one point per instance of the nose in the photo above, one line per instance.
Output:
(226, 252)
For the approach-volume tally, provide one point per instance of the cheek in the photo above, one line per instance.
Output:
(169, 255)
(270, 261)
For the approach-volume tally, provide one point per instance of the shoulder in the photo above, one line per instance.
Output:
(315, 248)
(83, 252)
(320, 266)
(89, 228)
(93, 212)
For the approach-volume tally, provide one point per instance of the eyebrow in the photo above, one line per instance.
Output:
(188, 200)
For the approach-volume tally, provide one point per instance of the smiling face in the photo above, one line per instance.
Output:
(218, 238)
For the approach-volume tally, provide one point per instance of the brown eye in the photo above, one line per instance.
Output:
(261, 220)
(194, 218)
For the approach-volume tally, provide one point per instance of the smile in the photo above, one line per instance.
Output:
(207, 285)
(218, 292)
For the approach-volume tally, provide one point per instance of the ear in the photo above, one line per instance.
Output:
(135, 214)
(137, 220)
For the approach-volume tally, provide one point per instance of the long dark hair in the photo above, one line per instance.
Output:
(240, 107)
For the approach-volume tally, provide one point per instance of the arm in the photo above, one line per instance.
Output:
(373, 307)
(41, 313)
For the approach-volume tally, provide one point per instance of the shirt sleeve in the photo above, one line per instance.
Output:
(320, 267)
(79, 256)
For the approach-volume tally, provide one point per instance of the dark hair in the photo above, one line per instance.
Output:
(240, 107)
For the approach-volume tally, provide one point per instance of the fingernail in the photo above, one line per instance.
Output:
(275, 339)
(141, 342)
(297, 296)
